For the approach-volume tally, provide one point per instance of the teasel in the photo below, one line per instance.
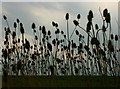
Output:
(22, 31)
(67, 18)
(75, 22)
(33, 27)
(8, 28)
(96, 26)
(44, 30)
(53, 23)
(90, 16)
(40, 35)
(116, 40)
(5, 18)
(77, 33)
(18, 26)
(78, 16)
(105, 12)
(27, 45)
(49, 46)
(97, 51)
(88, 28)
(15, 26)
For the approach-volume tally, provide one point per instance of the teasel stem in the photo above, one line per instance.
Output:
(68, 30)
(72, 32)
(100, 13)
(7, 23)
(84, 30)
(93, 30)
(97, 33)
(110, 29)
(88, 39)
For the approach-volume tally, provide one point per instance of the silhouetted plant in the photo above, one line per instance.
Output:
(44, 30)
(75, 22)
(78, 16)
(18, 20)
(5, 18)
(62, 55)
(49, 46)
(15, 25)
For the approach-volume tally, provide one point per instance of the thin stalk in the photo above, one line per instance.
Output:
(84, 30)
(97, 32)
(92, 67)
(93, 31)
(23, 42)
(18, 30)
(40, 37)
(101, 13)
(7, 23)
(104, 39)
(88, 40)
(109, 31)
(72, 32)
(67, 30)
(66, 39)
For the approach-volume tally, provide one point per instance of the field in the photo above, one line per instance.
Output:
(60, 81)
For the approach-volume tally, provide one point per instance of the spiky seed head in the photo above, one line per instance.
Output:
(78, 16)
(5, 18)
(105, 12)
(67, 16)
(15, 25)
(17, 20)
(53, 23)
(96, 27)
(91, 13)
(77, 33)
(76, 22)
(116, 38)
(33, 26)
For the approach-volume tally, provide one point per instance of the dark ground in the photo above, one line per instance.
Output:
(28, 82)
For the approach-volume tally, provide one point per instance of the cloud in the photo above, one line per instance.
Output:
(47, 15)
(43, 13)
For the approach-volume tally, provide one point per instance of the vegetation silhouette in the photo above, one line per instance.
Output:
(88, 57)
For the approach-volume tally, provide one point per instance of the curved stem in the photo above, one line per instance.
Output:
(66, 38)
(72, 32)
(84, 30)
(97, 32)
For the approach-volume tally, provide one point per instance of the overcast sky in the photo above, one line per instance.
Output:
(43, 13)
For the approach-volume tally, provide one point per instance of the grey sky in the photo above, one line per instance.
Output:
(43, 13)
(59, 0)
